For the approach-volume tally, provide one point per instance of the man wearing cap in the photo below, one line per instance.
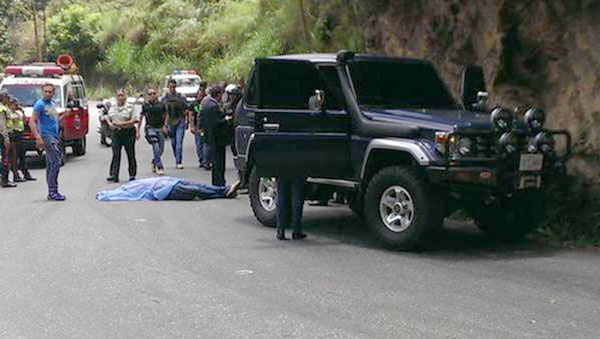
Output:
(44, 125)
(4, 141)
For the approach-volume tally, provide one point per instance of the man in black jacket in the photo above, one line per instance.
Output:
(216, 124)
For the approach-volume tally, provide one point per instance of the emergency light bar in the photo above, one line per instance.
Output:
(191, 71)
(34, 70)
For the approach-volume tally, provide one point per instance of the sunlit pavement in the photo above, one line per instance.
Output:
(83, 268)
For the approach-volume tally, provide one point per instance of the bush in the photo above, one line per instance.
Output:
(573, 211)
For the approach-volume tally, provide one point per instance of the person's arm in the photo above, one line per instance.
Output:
(33, 126)
(142, 116)
(3, 129)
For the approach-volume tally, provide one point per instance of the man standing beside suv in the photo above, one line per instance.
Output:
(217, 135)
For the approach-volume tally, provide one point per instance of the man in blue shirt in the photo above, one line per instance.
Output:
(44, 124)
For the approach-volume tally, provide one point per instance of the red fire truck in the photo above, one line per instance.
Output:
(24, 82)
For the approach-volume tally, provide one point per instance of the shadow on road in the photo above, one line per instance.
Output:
(458, 240)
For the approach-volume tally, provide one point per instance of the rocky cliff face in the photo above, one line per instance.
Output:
(539, 52)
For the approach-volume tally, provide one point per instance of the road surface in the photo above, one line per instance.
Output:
(84, 268)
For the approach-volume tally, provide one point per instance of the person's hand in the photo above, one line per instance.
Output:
(6, 144)
(193, 130)
(164, 129)
(137, 134)
(39, 143)
(228, 118)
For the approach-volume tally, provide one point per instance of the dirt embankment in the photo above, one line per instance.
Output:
(540, 52)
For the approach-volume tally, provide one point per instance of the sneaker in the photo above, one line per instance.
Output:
(131, 178)
(55, 196)
(112, 179)
(160, 171)
(153, 167)
(7, 184)
(179, 166)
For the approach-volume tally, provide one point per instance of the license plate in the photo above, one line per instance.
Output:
(531, 162)
(530, 181)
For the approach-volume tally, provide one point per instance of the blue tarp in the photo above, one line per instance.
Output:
(157, 188)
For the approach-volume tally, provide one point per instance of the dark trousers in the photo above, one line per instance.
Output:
(218, 169)
(290, 203)
(124, 138)
(19, 162)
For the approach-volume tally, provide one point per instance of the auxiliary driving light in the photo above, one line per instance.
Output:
(508, 142)
(464, 146)
(535, 118)
(502, 119)
(544, 142)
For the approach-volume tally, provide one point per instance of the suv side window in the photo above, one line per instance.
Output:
(288, 85)
(334, 95)
(251, 97)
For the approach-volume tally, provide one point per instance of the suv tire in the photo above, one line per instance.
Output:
(263, 198)
(511, 219)
(411, 209)
(79, 147)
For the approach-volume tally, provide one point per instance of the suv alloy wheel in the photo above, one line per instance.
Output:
(399, 209)
(263, 198)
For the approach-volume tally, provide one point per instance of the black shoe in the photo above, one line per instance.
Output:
(298, 236)
(28, 177)
(7, 184)
(317, 203)
(112, 179)
(131, 178)
(18, 179)
(281, 235)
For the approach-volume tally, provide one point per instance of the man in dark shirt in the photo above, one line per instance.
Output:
(177, 120)
(217, 136)
(154, 113)
(197, 128)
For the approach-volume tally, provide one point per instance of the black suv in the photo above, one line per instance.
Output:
(386, 135)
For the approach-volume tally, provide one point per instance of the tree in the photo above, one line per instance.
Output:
(5, 46)
(73, 31)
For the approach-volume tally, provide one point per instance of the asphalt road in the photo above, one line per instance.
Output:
(84, 268)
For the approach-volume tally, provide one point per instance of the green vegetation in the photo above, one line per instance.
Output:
(573, 211)
(136, 42)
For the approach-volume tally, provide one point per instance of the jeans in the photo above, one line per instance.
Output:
(178, 130)
(290, 203)
(202, 149)
(124, 138)
(187, 190)
(53, 160)
(157, 147)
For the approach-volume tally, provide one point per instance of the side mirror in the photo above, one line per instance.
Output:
(481, 104)
(473, 83)
(75, 103)
(317, 101)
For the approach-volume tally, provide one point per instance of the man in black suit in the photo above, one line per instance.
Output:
(216, 124)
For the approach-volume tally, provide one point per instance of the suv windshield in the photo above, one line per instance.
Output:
(399, 84)
(28, 94)
(188, 82)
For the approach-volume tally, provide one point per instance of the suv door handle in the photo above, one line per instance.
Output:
(271, 127)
